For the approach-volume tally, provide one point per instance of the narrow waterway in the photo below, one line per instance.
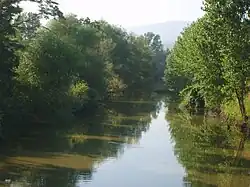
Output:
(130, 144)
(150, 162)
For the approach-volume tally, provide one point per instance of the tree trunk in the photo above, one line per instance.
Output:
(240, 98)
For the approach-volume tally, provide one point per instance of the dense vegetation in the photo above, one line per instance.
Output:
(209, 64)
(69, 66)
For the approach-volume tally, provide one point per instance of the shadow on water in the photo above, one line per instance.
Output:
(212, 155)
(61, 157)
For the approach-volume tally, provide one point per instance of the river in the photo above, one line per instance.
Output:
(130, 144)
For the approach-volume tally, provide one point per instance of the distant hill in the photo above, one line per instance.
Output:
(169, 31)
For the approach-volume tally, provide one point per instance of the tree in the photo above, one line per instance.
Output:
(231, 18)
(28, 24)
(159, 54)
(212, 52)
(193, 65)
(9, 45)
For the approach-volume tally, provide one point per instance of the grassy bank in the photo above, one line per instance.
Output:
(228, 111)
(232, 111)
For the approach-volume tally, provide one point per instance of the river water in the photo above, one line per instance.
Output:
(130, 144)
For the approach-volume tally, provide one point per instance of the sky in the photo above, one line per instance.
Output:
(132, 12)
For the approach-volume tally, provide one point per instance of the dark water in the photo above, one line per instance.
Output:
(130, 144)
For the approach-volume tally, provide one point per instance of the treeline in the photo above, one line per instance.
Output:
(70, 65)
(210, 62)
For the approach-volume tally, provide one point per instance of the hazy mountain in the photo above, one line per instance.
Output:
(169, 31)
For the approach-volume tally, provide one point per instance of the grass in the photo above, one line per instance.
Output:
(232, 110)
(60, 160)
(82, 137)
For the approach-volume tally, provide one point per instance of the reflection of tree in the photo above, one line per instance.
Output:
(61, 157)
(211, 155)
(52, 177)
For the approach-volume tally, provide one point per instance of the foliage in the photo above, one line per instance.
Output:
(212, 54)
(232, 111)
(68, 66)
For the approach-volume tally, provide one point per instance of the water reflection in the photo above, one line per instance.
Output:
(211, 154)
(128, 143)
(51, 157)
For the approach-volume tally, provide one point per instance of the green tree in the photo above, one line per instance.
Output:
(212, 53)
(28, 24)
(231, 18)
(71, 65)
(9, 45)
(159, 54)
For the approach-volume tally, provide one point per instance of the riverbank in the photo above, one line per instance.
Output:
(228, 112)
(231, 109)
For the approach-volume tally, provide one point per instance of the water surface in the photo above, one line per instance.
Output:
(130, 143)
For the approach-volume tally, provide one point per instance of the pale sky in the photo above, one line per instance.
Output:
(132, 12)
